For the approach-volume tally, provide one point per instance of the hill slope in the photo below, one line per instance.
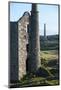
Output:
(51, 42)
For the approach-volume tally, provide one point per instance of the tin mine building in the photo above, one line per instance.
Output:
(24, 45)
(45, 37)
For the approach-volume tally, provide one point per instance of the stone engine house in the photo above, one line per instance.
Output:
(23, 42)
(24, 45)
(18, 47)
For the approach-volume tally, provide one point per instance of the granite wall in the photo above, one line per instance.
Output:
(18, 47)
(22, 43)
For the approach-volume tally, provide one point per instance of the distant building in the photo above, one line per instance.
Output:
(45, 36)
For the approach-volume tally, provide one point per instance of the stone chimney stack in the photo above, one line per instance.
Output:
(45, 37)
(34, 43)
(44, 31)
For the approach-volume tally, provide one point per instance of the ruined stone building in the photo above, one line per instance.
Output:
(24, 45)
(19, 41)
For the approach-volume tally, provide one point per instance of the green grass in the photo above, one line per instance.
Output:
(53, 82)
(49, 55)
(46, 57)
(38, 81)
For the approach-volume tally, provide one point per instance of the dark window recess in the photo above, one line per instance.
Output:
(25, 36)
(27, 47)
(27, 65)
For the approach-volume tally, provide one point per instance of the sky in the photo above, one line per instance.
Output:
(48, 14)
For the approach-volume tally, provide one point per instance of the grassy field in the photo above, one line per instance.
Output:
(49, 54)
(49, 65)
(49, 70)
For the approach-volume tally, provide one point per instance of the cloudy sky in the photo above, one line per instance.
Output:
(48, 14)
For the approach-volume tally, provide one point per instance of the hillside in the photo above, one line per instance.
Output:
(51, 42)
